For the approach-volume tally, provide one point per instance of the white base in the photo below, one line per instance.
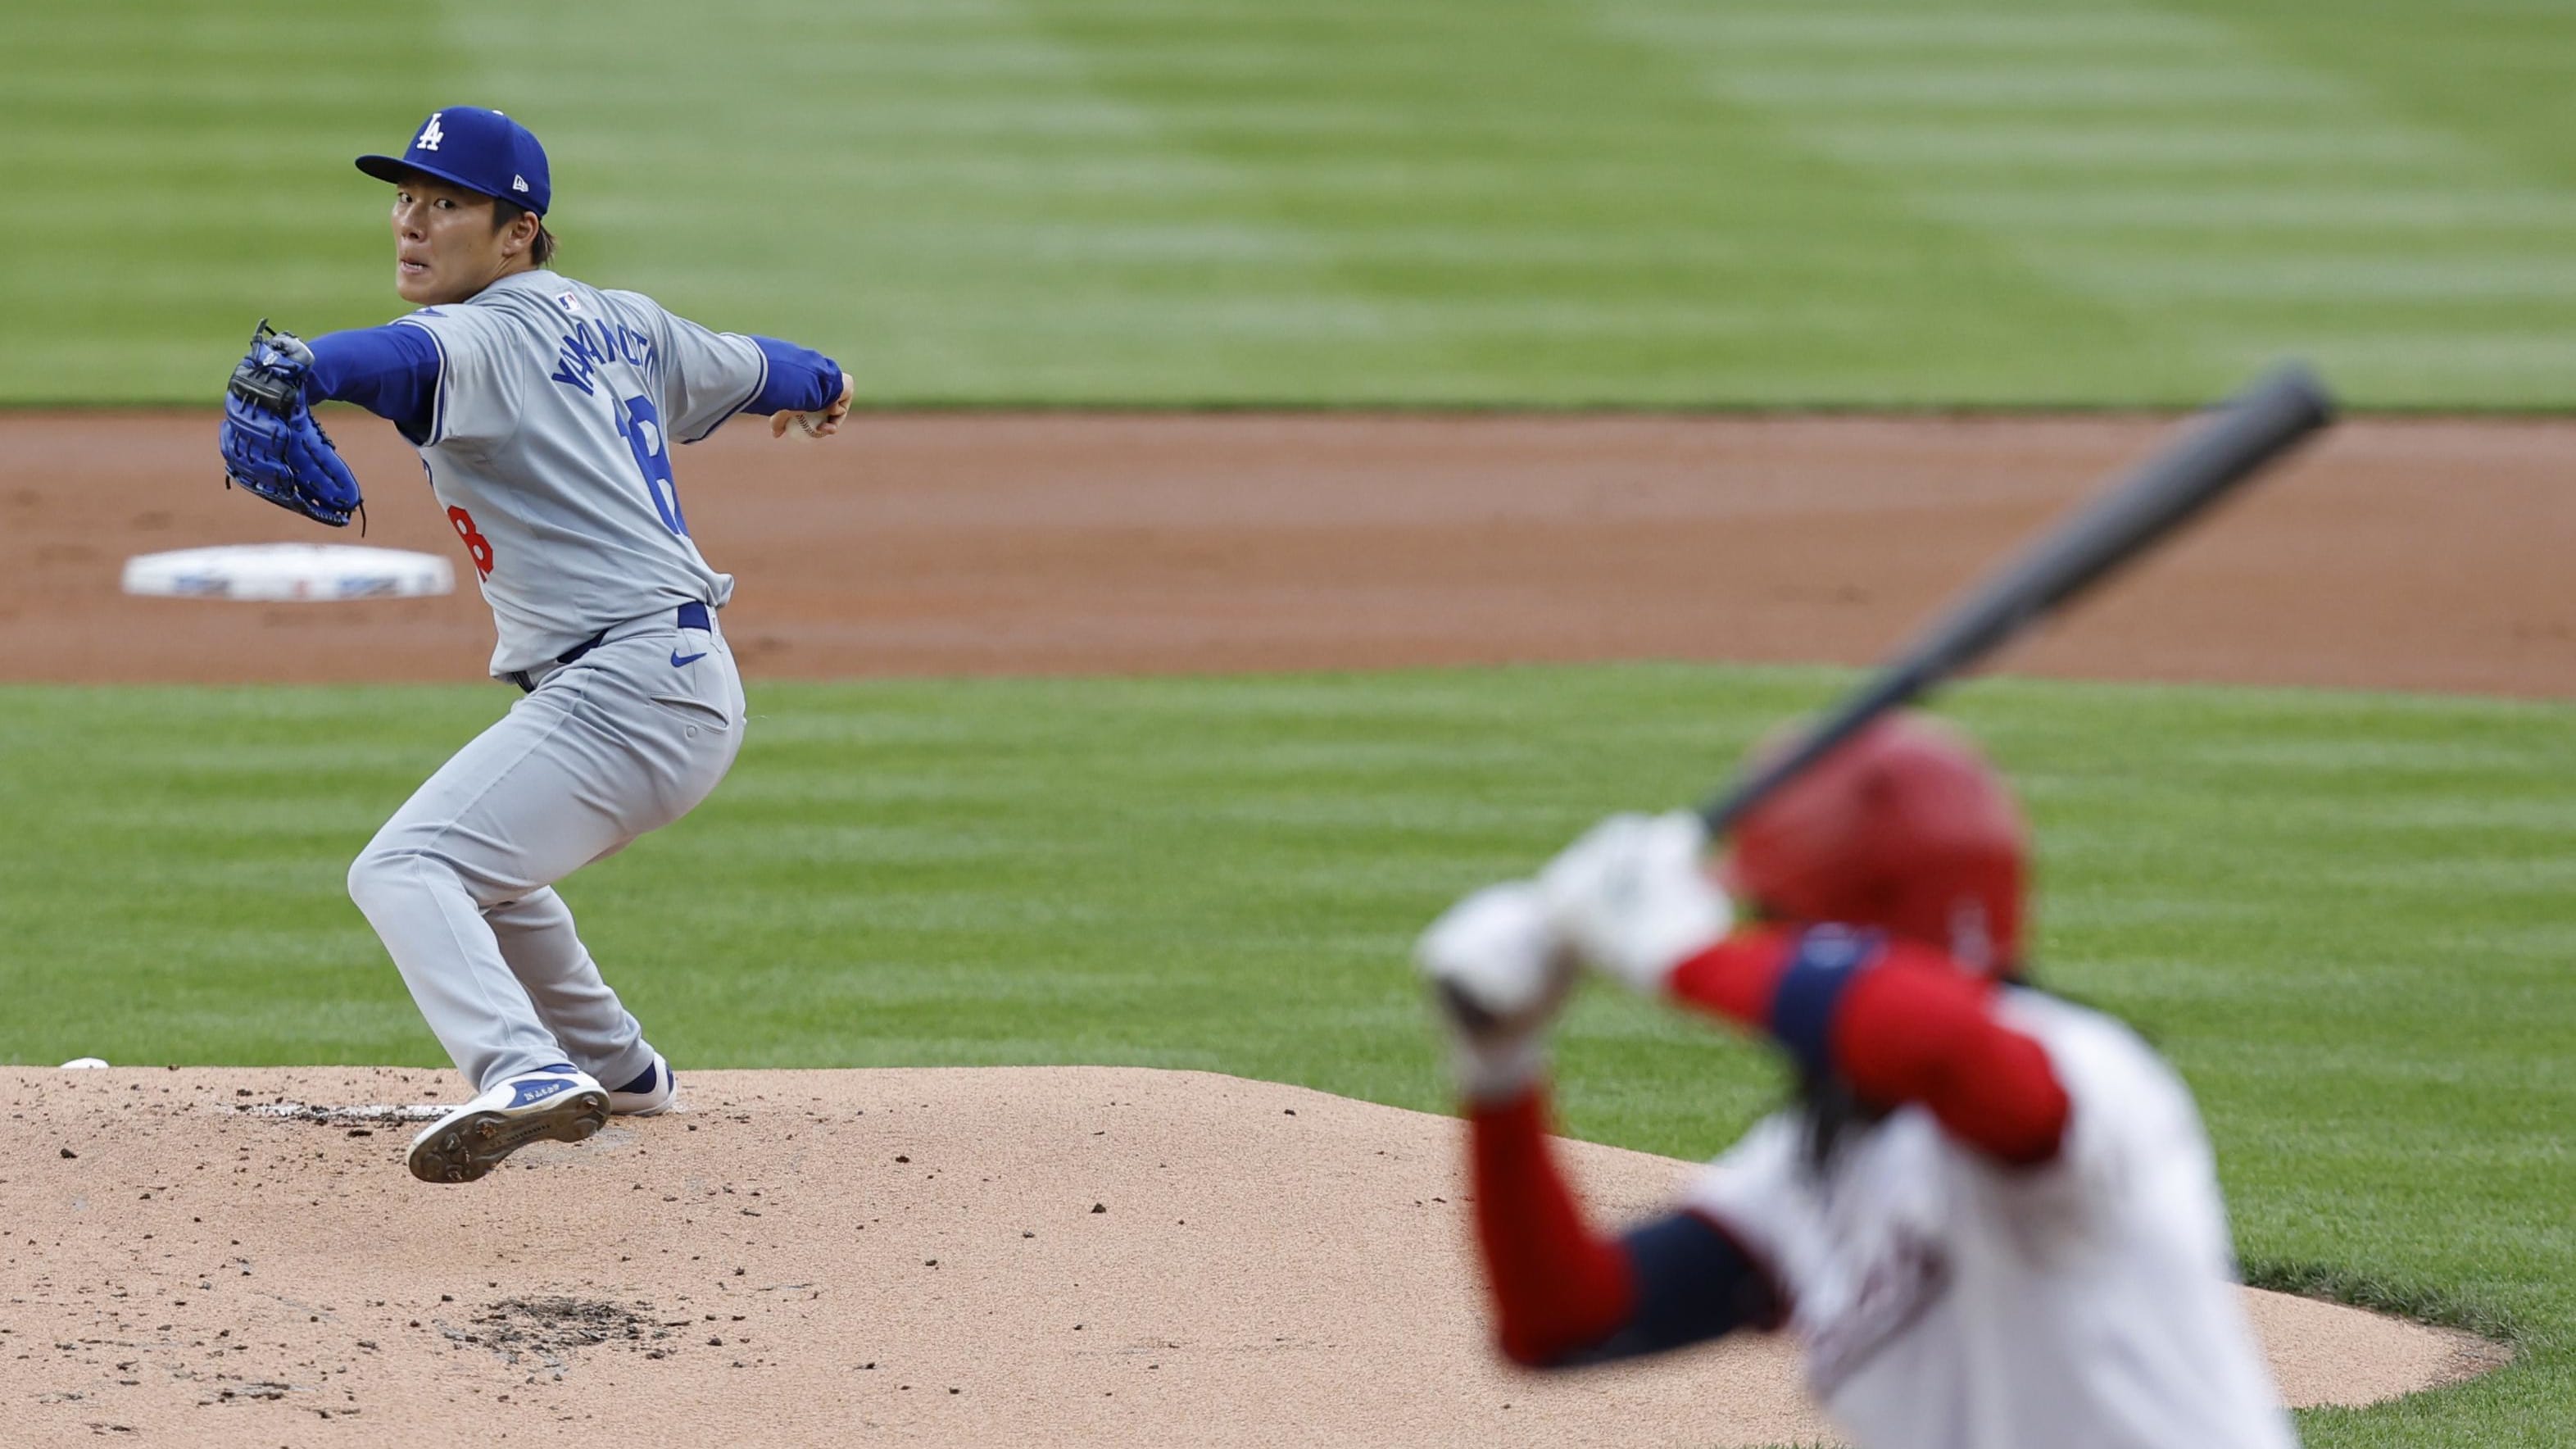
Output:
(291, 572)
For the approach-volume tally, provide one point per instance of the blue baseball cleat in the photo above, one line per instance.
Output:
(556, 1104)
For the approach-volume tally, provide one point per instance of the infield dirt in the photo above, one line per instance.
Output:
(916, 1255)
(2395, 554)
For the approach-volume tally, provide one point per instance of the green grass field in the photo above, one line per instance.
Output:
(2344, 916)
(1480, 202)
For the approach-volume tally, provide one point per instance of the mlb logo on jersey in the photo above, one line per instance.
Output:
(569, 301)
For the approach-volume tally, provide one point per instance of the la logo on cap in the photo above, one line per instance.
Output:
(430, 135)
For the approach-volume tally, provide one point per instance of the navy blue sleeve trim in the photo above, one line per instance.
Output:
(391, 371)
(1693, 1284)
(1802, 1006)
(800, 380)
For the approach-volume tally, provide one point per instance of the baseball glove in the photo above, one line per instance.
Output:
(271, 445)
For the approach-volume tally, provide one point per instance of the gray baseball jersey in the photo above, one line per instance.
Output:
(545, 411)
(550, 448)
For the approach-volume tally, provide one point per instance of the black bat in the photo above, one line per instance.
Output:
(2223, 449)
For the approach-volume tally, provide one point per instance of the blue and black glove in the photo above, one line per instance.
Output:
(271, 445)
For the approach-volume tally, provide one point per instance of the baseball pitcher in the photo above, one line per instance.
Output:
(544, 410)
(1991, 1217)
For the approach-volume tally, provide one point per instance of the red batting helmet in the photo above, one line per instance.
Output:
(1904, 827)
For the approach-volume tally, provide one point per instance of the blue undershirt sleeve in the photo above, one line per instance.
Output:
(1826, 961)
(391, 371)
(1693, 1284)
(800, 379)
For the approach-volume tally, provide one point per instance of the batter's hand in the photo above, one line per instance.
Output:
(823, 427)
(1499, 971)
(1634, 898)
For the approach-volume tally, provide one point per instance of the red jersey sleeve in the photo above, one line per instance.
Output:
(1558, 1287)
(1566, 1295)
(1900, 1022)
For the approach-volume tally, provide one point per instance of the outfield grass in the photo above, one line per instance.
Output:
(2344, 916)
(1486, 202)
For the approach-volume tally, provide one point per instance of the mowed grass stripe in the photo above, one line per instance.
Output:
(2039, 126)
(989, 212)
(1230, 204)
(1448, 201)
(2492, 70)
(1466, 130)
(162, 203)
(2533, 215)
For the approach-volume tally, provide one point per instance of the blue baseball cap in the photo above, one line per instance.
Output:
(477, 149)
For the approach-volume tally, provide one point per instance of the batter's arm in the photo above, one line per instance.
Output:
(1898, 1021)
(1565, 1296)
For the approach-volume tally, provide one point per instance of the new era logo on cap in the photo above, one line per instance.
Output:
(477, 149)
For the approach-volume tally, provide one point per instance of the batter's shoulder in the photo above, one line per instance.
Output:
(2064, 1026)
(2126, 1101)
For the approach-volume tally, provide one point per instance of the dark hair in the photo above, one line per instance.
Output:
(506, 212)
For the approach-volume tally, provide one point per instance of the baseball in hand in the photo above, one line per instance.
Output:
(807, 423)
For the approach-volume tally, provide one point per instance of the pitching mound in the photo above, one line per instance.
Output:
(1028, 1255)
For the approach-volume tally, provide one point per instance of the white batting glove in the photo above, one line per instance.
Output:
(1633, 898)
(1500, 971)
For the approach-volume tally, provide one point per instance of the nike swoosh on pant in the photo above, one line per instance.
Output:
(679, 659)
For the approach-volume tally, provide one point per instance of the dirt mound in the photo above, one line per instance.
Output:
(1022, 1255)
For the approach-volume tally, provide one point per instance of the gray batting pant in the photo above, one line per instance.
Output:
(626, 739)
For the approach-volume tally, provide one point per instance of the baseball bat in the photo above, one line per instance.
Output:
(2224, 448)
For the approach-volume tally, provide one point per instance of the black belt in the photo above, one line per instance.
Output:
(691, 616)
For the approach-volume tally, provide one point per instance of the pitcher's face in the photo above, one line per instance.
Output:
(446, 247)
